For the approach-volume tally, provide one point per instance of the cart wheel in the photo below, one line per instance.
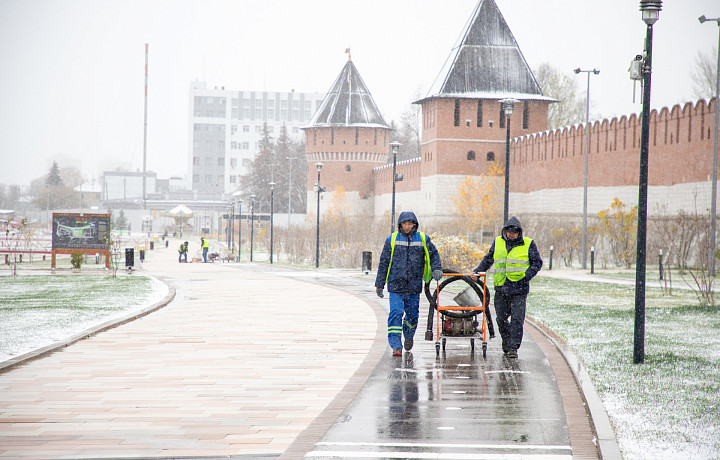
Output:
(443, 344)
(437, 349)
(484, 347)
(472, 344)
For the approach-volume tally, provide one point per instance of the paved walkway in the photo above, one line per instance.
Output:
(246, 362)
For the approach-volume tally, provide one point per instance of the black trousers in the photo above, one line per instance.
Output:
(510, 317)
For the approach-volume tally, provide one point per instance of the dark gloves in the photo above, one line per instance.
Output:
(437, 275)
(379, 292)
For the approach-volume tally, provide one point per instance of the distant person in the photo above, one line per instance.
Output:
(517, 261)
(183, 251)
(205, 247)
(408, 257)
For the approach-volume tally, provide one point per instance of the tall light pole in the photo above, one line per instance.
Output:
(394, 147)
(290, 160)
(587, 152)
(272, 211)
(713, 198)
(319, 166)
(252, 225)
(650, 14)
(239, 229)
(507, 107)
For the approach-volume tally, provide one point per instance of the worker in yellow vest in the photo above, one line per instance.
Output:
(517, 260)
(205, 246)
(408, 258)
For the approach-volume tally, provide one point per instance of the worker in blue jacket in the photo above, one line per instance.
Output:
(408, 257)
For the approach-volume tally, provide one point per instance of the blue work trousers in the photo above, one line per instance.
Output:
(409, 306)
(510, 316)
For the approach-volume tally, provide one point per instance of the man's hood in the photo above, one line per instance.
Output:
(407, 216)
(512, 222)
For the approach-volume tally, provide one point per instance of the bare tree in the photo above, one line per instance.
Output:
(564, 87)
(704, 74)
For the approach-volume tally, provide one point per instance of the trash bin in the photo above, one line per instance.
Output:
(367, 262)
(142, 255)
(152, 245)
(129, 257)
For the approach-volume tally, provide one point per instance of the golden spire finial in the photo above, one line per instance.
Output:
(347, 51)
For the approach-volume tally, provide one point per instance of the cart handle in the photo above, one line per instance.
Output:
(466, 274)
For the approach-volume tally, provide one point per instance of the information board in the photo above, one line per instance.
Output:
(80, 231)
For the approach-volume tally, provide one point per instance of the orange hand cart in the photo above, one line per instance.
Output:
(469, 319)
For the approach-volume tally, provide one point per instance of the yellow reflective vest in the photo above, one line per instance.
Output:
(512, 265)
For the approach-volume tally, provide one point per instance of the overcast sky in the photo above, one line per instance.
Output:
(72, 78)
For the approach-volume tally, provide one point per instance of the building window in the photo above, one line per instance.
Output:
(221, 161)
(491, 156)
(208, 179)
(246, 129)
(196, 161)
(471, 156)
(479, 114)
(233, 179)
(247, 162)
(208, 161)
(246, 146)
(357, 135)
(233, 129)
(332, 136)
(526, 114)
(457, 112)
(233, 163)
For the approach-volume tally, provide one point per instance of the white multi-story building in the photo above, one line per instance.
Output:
(226, 128)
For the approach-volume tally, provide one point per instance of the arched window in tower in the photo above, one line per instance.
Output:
(479, 113)
(526, 114)
(457, 112)
(491, 156)
(348, 168)
(332, 136)
(471, 156)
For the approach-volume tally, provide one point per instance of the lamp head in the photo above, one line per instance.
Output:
(650, 11)
(596, 71)
(508, 105)
(578, 70)
(702, 19)
(319, 166)
(395, 146)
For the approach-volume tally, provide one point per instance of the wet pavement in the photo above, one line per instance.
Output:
(330, 391)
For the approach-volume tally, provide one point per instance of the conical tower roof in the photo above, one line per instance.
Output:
(348, 103)
(488, 63)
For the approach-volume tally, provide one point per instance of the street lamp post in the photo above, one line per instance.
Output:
(713, 198)
(394, 147)
(507, 107)
(317, 233)
(650, 14)
(587, 153)
(239, 229)
(252, 225)
(290, 160)
(272, 211)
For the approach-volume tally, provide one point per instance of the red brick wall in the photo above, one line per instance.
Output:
(680, 151)
(348, 155)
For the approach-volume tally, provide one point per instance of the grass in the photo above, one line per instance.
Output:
(36, 311)
(668, 407)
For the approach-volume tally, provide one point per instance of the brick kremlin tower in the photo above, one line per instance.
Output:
(349, 136)
(463, 123)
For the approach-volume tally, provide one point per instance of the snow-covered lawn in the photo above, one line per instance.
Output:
(668, 407)
(36, 311)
